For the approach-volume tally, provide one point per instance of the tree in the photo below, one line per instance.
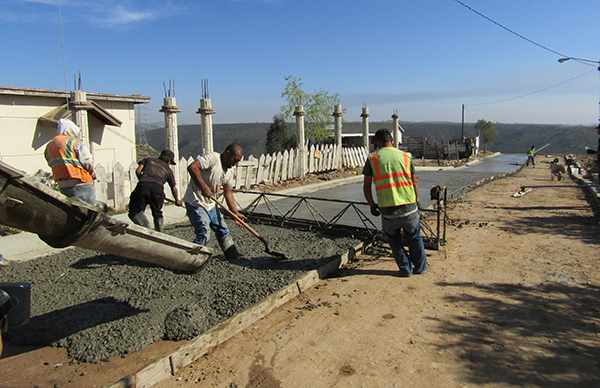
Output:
(318, 108)
(488, 130)
(277, 138)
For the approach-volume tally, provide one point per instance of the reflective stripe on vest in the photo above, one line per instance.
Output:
(392, 177)
(62, 157)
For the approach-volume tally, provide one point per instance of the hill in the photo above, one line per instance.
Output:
(511, 138)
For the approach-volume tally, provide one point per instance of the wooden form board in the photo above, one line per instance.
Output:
(197, 347)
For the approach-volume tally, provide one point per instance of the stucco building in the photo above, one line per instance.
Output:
(28, 120)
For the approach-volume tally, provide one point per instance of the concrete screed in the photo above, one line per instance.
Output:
(100, 305)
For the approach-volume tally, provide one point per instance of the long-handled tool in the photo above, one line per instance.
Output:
(255, 233)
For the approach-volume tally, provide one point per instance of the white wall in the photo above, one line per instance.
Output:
(23, 138)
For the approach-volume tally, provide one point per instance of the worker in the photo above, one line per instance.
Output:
(152, 174)
(71, 162)
(393, 173)
(210, 173)
(531, 156)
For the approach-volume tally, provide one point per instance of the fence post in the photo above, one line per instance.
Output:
(119, 187)
(100, 186)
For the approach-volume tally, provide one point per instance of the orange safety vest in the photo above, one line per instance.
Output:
(61, 156)
(392, 177)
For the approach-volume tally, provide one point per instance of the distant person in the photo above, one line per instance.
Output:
(71, 162)
(393, 173)
(152, 174)
(210, 173)
(531, 156)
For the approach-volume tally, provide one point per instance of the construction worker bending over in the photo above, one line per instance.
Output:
(209, 174)
(71, 162)
(152, 174)
(393, 173)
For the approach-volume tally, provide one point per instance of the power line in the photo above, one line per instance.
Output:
(585, 62)
(529, 94)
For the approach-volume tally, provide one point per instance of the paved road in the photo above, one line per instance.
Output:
(454, 179)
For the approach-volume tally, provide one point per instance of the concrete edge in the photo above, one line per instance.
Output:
(166, 366)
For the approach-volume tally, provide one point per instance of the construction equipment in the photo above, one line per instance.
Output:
(255, 233)
(60, 221)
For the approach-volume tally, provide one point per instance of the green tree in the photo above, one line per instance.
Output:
(318, 108)
(487, 130)
(277, 138)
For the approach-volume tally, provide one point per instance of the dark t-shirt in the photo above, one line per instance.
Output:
(156, 171)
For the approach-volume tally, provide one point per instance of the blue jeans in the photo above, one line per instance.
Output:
(204, 221)
(416, 256)
(84, 192)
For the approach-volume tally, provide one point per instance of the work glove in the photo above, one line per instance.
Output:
(375, 210)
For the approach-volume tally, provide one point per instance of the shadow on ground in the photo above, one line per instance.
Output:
(546, 335)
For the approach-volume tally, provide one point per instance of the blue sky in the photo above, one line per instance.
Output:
(423, 59)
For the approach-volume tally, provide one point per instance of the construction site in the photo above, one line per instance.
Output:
(317, 301)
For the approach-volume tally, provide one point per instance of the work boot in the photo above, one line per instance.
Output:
(232, 253)
(228, 247)
(140, 219)
(159, 224)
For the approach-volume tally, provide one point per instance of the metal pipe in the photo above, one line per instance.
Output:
(60, 221)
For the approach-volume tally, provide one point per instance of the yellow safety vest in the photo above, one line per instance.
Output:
(392, 176)
(62, 158)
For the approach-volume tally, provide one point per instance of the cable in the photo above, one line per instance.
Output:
(529, 94)
(521, 36)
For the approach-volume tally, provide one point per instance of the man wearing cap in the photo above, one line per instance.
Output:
(393, 173)
(152, 174)
(71, 162)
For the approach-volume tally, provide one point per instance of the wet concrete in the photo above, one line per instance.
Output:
(453, 179)
(100, 305)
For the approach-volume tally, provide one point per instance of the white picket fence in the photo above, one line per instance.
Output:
(114, 189)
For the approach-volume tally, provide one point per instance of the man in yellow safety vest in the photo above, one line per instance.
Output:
(393, 174)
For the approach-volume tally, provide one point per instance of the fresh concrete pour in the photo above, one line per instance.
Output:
(100, 305)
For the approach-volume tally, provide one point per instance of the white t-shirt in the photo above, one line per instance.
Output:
(213, 175)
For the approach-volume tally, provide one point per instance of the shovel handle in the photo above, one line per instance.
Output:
(238, 219)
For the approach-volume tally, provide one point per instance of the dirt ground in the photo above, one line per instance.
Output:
(512, 300)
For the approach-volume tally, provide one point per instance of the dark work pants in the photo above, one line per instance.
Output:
(147, 194)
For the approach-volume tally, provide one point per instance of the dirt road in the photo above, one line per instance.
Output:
(512, 300)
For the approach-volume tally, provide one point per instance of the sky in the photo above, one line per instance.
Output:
(420, 59)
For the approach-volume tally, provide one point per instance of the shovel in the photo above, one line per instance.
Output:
(281, 256)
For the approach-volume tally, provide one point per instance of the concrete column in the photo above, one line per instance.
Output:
(300, 141)
(170, 109)
(365, 117)
(337, 124)
(206, 111)
(80, 106)
(396, 132)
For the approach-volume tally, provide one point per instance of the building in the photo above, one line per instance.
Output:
(28, 119)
